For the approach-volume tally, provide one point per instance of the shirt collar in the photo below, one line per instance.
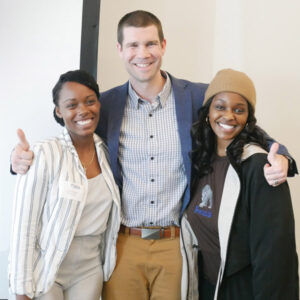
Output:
(161, 98)
(68, 141)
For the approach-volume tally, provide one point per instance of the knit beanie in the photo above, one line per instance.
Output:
(229, 80)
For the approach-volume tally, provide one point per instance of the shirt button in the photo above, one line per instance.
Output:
(150, 115)
(152, 180)
(152, 202)
(151, 223)
(152, 158)
(151, 136)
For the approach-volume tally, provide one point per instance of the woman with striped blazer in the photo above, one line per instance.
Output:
(66, 213)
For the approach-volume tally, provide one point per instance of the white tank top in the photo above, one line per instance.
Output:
(95, 214)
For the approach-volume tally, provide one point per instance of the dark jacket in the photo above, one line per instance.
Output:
(257, 237)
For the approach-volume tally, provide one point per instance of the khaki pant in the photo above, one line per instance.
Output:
(146, 269)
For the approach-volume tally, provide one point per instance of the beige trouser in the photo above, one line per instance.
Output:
(80, 275)
(146, 269)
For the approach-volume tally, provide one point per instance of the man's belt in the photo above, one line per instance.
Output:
(152, 233)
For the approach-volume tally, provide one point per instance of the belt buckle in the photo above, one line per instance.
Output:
(150, 233)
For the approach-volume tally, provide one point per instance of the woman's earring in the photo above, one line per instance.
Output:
(207, 120)
(247, 126)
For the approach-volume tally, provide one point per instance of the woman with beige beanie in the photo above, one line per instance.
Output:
(238, 232)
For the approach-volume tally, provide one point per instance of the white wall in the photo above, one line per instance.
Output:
(258, 37)
(39, 41)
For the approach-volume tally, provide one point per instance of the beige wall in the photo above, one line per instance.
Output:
(272, 57)
(258, 37)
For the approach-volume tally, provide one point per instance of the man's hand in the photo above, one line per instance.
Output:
(21, 157)
(277, 169)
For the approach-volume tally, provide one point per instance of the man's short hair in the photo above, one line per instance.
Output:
(139, 18)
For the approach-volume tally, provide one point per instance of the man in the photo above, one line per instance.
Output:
(146, 124)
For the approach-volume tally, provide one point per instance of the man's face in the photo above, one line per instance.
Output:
(142, 52)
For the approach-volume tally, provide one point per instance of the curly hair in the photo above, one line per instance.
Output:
(78, 76)
(204, 141)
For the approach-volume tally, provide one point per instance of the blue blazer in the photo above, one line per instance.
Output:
(189, 97)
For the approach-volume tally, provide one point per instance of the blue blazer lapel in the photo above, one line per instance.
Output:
(184, 106)
(114, 126)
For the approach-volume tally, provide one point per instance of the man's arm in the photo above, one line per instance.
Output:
(22, 297)
(22, 156)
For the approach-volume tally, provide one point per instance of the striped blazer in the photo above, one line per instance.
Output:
(48, 204)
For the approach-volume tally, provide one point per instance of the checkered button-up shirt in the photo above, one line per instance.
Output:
(154, 178)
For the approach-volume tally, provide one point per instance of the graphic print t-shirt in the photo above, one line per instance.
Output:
(202, 214)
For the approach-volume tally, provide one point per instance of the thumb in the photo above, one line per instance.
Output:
(273, 152)
(23, 142)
